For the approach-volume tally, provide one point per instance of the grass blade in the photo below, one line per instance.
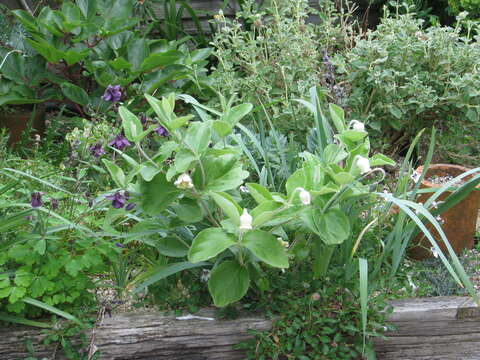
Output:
(363, 267)
(19, 320)
(53, 186)
(51, 309)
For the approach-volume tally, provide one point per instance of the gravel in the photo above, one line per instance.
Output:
(442, 180)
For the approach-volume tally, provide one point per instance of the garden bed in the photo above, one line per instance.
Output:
(426, 328)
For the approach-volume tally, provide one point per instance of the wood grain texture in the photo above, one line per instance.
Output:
(147, 336)
(440, 328)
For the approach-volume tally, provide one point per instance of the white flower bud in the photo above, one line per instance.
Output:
(246, 220)
(305, 196)
(363, 164)
(285, 244)
(184, 182)
(356, 125)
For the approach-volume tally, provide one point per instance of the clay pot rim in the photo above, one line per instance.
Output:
(445, 167)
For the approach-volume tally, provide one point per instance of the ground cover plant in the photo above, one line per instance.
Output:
(253, 61)
(252, 179)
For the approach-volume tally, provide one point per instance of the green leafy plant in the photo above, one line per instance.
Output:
(208, 173)
(45, 258)
(472, 6)
(253, 62)
(313, 319)
(405, 78)
(87, 46)
(170, 25)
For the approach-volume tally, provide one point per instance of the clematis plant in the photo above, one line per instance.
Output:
(188, 190)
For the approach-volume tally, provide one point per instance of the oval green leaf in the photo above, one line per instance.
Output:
(208, 244)
(228, 283)
(266, 247)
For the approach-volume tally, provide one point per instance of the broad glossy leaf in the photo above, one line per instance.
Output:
(116, 172)
(183, 160)
(180, 121)
(222, 128)
(237, 113)
(264, 212)
(259, 192)
(334, 227)
(75, 93)
(198, 136)
(160, 59)
(352, 135)
(148, 171)
(158, 194)
(266, 247)
(137, 53)
(132, 125)
(49, 52)
(27, 20)
(231, 180)
(172, 246)
(338, 117)
(200, 54)
(72, 57)
(380, 159)
(228, 283)
(334, 153)
(228, 206)
(209, 243)
(87, 7)
(162, 113)
(188, 210)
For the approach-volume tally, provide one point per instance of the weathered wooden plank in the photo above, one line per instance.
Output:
(443, 328)
(440, 328)
(147, 336)
(133, 336)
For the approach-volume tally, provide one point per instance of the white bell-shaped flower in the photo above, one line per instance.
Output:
(363, 164)
(246, 221)
(356, 125)
(184, 182)
(305, 196)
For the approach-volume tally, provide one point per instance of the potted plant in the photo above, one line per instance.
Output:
(458, 222)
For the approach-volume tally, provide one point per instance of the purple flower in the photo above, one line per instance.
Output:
(97, 150)
(36, 200)
(118, 199)
(161, 131)
(143, 118)
(130, 206)
(54, 203)
(120, 142)
(119, 245)
(112, 93)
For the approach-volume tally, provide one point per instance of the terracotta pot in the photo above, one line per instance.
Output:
(18, 122)
(459, 222)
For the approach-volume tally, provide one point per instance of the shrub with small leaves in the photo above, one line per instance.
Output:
(405, 78)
